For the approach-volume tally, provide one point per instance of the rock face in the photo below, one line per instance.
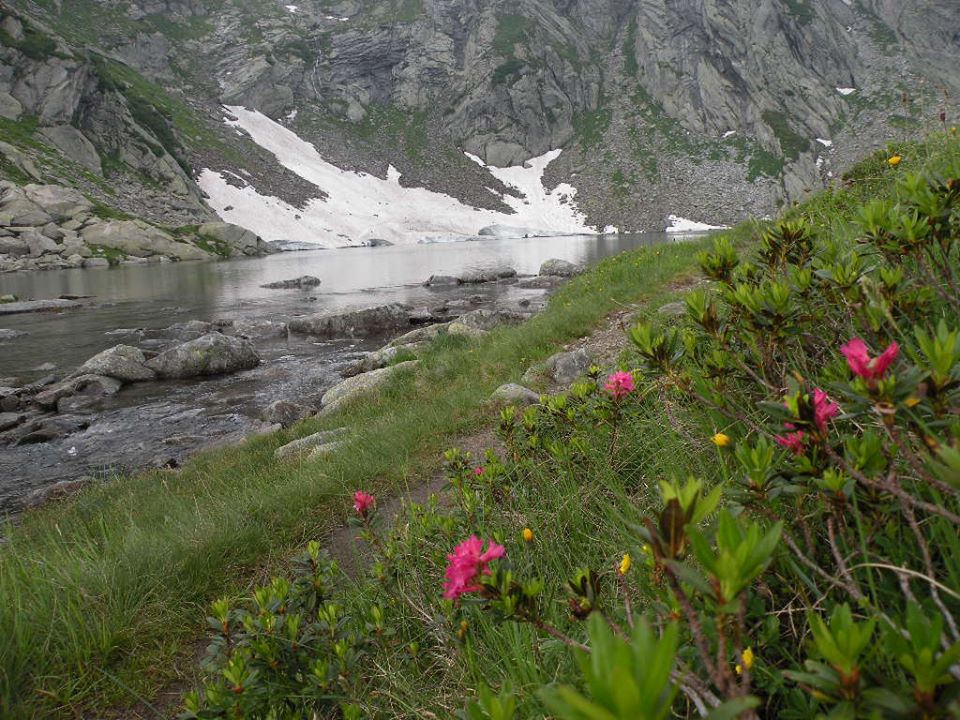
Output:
(707, 110)
(357, 323)
(211, 354)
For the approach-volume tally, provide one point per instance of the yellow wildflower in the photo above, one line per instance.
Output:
(721, 440)
(747, 661)
(625, 564)
(912, 401)
(527, 535)
(894, 160)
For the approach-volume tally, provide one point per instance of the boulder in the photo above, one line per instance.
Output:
(27, 306)
(92, 386)
(255, 329)
(24, 213)
(304, 281)
(488, 274)
(240, 240)
(212, 354)
(352, 387)
(123, 362)
(51, 428)
(13, 246)
(61, 203)
(310, 442)
(458, 328)
(379, 359)
(95, 262)
(10, 107)
(487, 320)
(513, 394)
(567, 367)
(285, 413)
(139, 239)
(560, 268)
(420, 335)
(10, 419)
(55, 492)
(356, 323)
(185, 331)
(39, 244)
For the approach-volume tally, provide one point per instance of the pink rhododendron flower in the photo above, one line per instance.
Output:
(792, 441)
(468, 562)
(860, 362)
(620, 384)
(478, 471)
(363, 502)
(823, 409)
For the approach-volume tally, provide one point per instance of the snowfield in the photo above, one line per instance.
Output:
(360, 207)
(682, 225)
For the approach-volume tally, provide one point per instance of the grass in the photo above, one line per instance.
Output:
(792, 143)
(511, 30)
(99, 593)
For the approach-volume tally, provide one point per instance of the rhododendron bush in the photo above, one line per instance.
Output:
(796, 553)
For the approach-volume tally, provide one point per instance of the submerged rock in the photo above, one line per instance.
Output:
(488, 274)
(28, 306)
(212, 354)
(91, 386)
(304, 281)
(286, 413)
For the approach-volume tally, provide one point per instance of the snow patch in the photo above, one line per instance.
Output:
(728, 133)
(826, 143)
(846, 90)
(682, 225)
(360, 206)
(291, 8)
(292, 115)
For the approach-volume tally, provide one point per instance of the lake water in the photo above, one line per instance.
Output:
(161, 422)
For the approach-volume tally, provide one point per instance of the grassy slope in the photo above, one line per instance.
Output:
(99, 594)
(97, 590)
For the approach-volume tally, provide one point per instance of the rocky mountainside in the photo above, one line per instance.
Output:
(709, 109)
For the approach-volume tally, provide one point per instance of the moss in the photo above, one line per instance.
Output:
(763, 163)
(508, 72)
(591, 126)
(19, 132)
(34, 44)
(112, 255)
(801, 10)
(105, 212)
(630, 64)
(212, 245)
(511, 29)
(792, 144)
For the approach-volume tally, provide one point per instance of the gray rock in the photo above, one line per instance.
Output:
(10, 419)
(96, 262)
(298, 447)
(420, 335)
(28, 306)
(212, 354)
(13, 246)
(92, 386)
(10, 107)
(674, 309)
(487, 320)
(256, 329)
(379, 359)
(513, 394)
(24, 213)
(75, 145)
(61, 203)
(240, 240)
(564, 368)
(488, 274)
(58, 491)
(357, 323)
(51, 428)
(304, 281)
(39, 244)
(560, 268)
(322, 451)
(285, 413)
(350, 388)
(140, 239)
(541, 282)
(123, 362)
